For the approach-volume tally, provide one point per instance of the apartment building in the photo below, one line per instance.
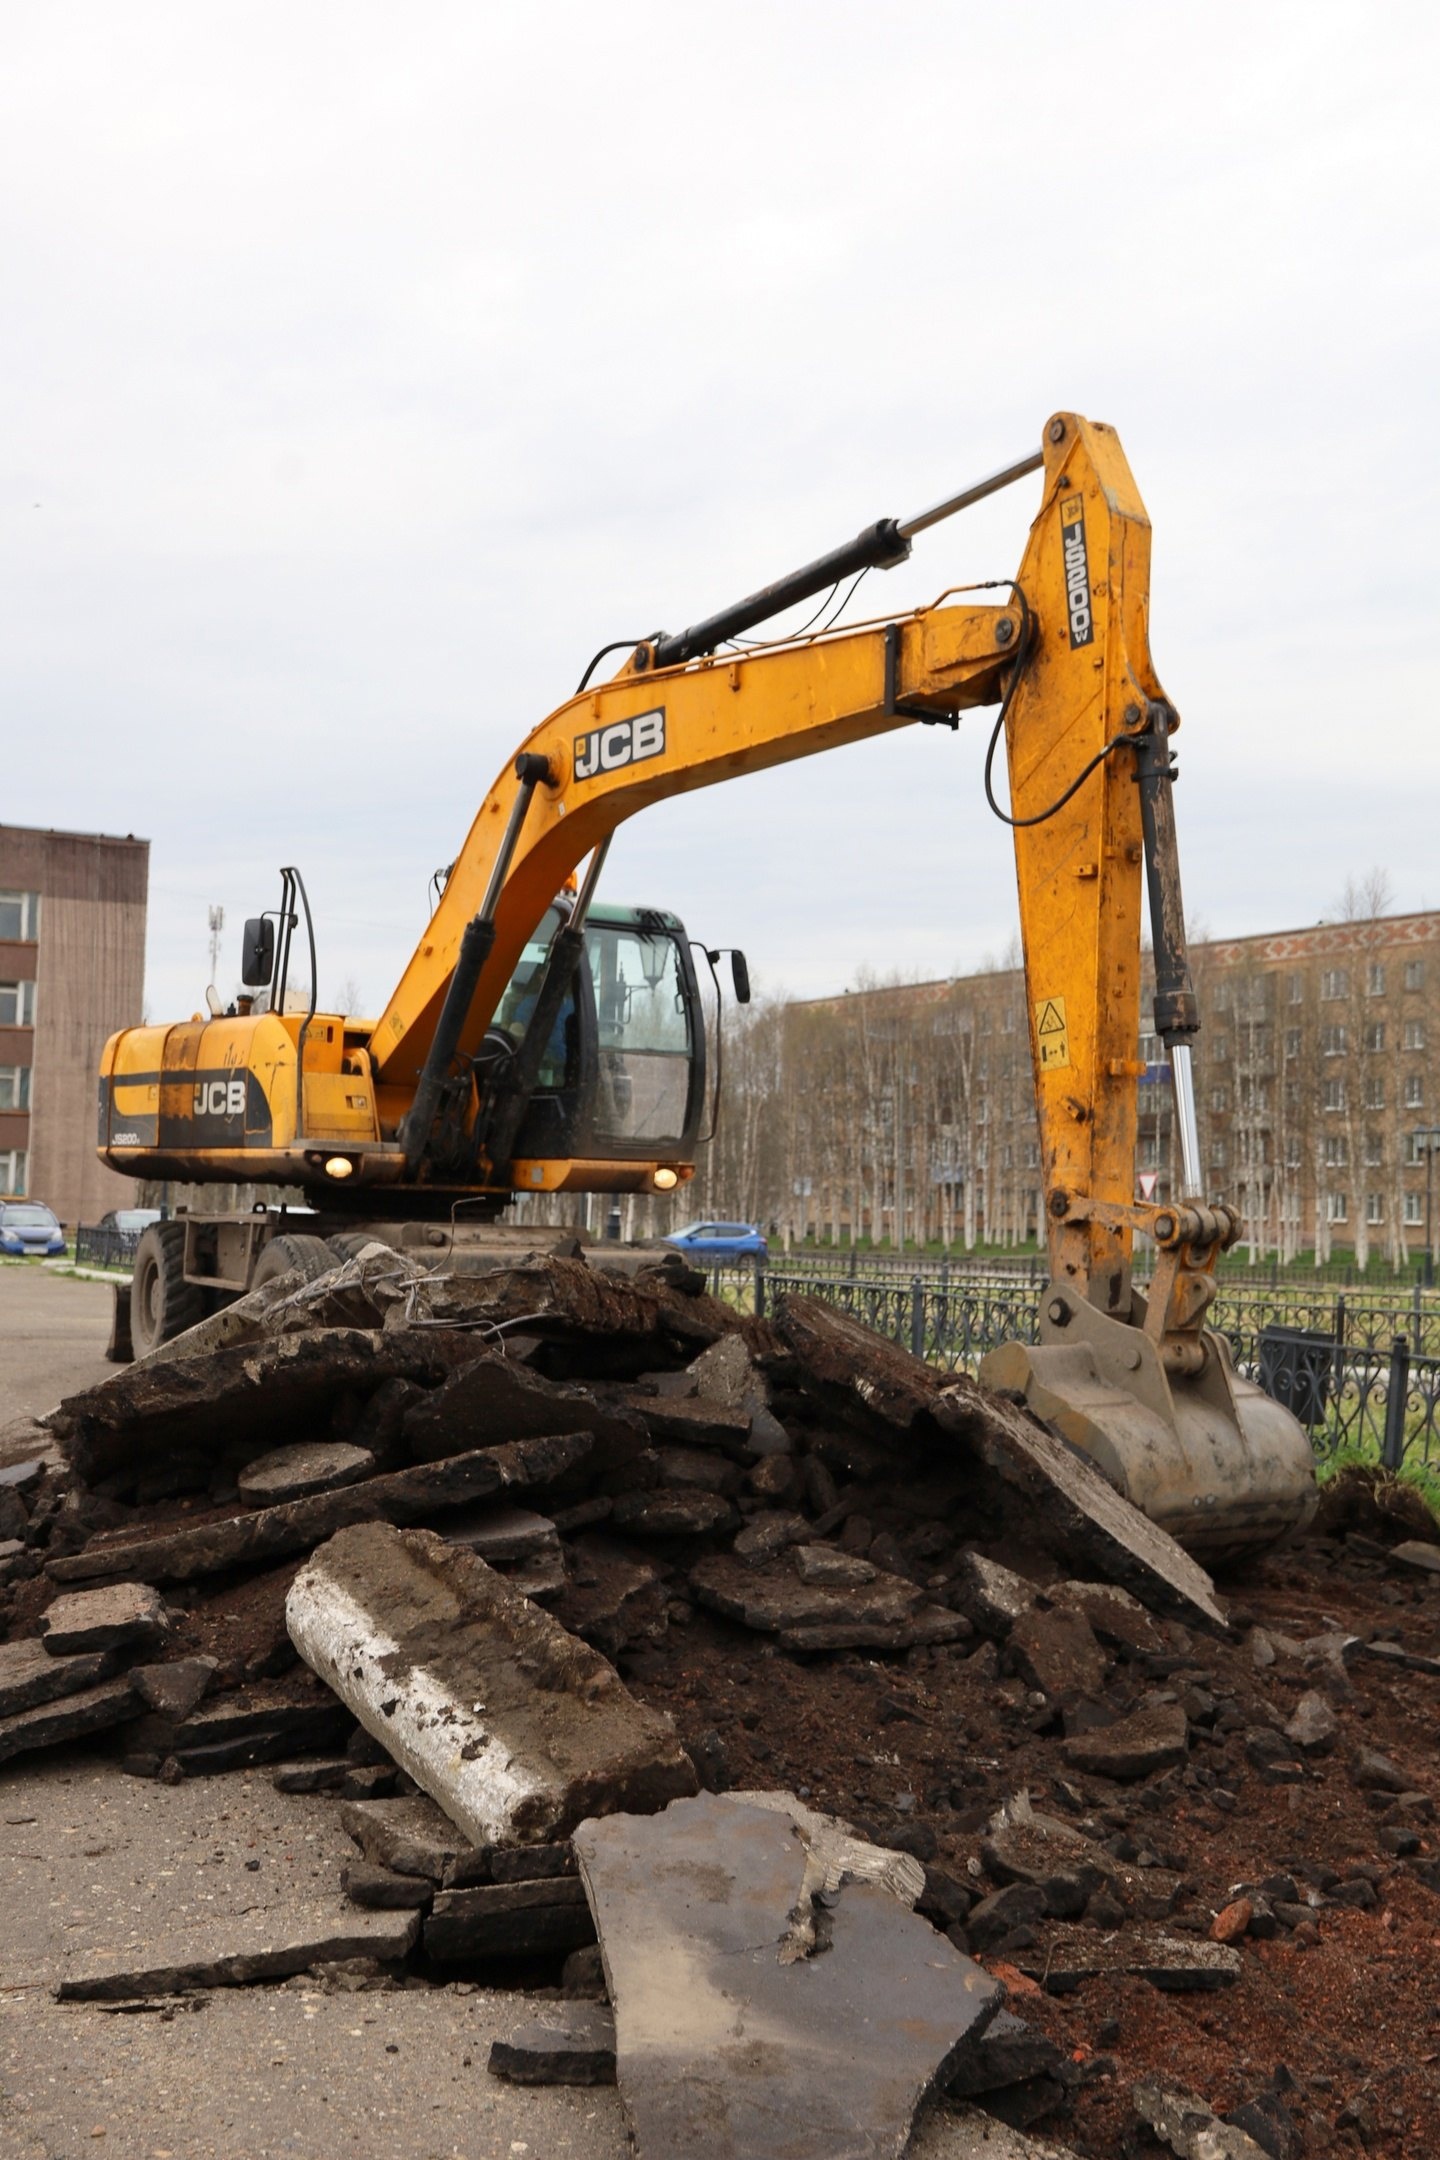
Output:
(72, 968)
(908, 1110)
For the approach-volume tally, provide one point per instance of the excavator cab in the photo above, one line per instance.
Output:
(621, 1073)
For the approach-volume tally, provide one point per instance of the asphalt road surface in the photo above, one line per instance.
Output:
(90, 1859)
(53, 1332)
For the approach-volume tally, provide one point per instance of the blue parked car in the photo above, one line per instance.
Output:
(708, 1242)
(27, 1226)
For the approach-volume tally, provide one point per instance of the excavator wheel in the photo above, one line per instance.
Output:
(162, 1303)
(349, 1244)
(310, 1256)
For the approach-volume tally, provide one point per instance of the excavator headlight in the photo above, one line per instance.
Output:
(665, 1180)
(338, 1166)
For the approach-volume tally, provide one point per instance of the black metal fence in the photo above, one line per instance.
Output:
(1363, 1377)
(95, 1247)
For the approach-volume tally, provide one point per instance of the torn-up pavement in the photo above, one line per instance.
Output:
(517, 1577)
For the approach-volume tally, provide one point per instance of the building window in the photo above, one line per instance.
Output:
(19, 915)
(1295, 989)
(14, 1166)
(1335, 983)
(1292, 1154)
(1220, 1049)
(1414, 974)
(1414, 1034)
(1221, 1000)
(1375, 1092)
(1375, 1036)
(1292, 1042)
(1375, 979)
(1374, 1152)
(1150, 1050)
(1219, 1098)
(1337, 1207)
(1334, 1094)
(1333, 1041)
(1412, 1207)
(1414, 1092)
(17, 1004)
(1032, 1155)
(1337, 1154)
(1218, 1154)
(1374, 1208)
(14, 1087)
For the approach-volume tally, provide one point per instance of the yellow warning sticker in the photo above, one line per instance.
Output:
(1052, 1034)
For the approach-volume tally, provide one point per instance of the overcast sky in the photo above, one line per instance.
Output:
(365, 368)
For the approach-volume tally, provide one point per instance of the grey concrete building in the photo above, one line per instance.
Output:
(72, 970)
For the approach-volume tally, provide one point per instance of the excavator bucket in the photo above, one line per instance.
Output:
(1205, 1454)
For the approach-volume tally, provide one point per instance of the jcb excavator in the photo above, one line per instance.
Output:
(544, 1044)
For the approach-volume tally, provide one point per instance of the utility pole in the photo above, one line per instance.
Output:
(217, 924)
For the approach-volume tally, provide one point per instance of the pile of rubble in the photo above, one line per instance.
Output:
(626, 1630)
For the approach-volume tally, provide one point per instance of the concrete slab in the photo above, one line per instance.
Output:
(513, 1727)
(731, 2041)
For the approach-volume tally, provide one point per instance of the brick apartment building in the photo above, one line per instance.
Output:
(908, 1110)
(72, 969)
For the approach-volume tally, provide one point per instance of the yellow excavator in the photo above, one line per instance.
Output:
(539, 1041)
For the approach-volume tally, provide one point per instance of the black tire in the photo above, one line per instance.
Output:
(310, 1255)
(349, 1244)
(162, 1303)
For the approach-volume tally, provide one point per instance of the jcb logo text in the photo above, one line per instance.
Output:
(624, 742)
(220, 1098)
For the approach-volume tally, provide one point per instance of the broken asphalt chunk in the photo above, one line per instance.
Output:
(1176, 1964)
(235, 1952)
(885, 1613)
(308, 1466)
(1151, 1738)
(513, 1919)
(30, 1674)
(404, 1496)
(574, 2044)
(124, 1616)
(71, 1718)
(732, 2039)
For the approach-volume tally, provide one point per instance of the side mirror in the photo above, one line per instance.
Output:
(740, 976)
(257, 952)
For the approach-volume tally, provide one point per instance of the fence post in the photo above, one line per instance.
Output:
(917, 1317)
(1392, 1447)
(1340, 1319)
(759, 1289)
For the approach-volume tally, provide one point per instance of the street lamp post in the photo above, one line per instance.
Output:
(1427, 1138)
